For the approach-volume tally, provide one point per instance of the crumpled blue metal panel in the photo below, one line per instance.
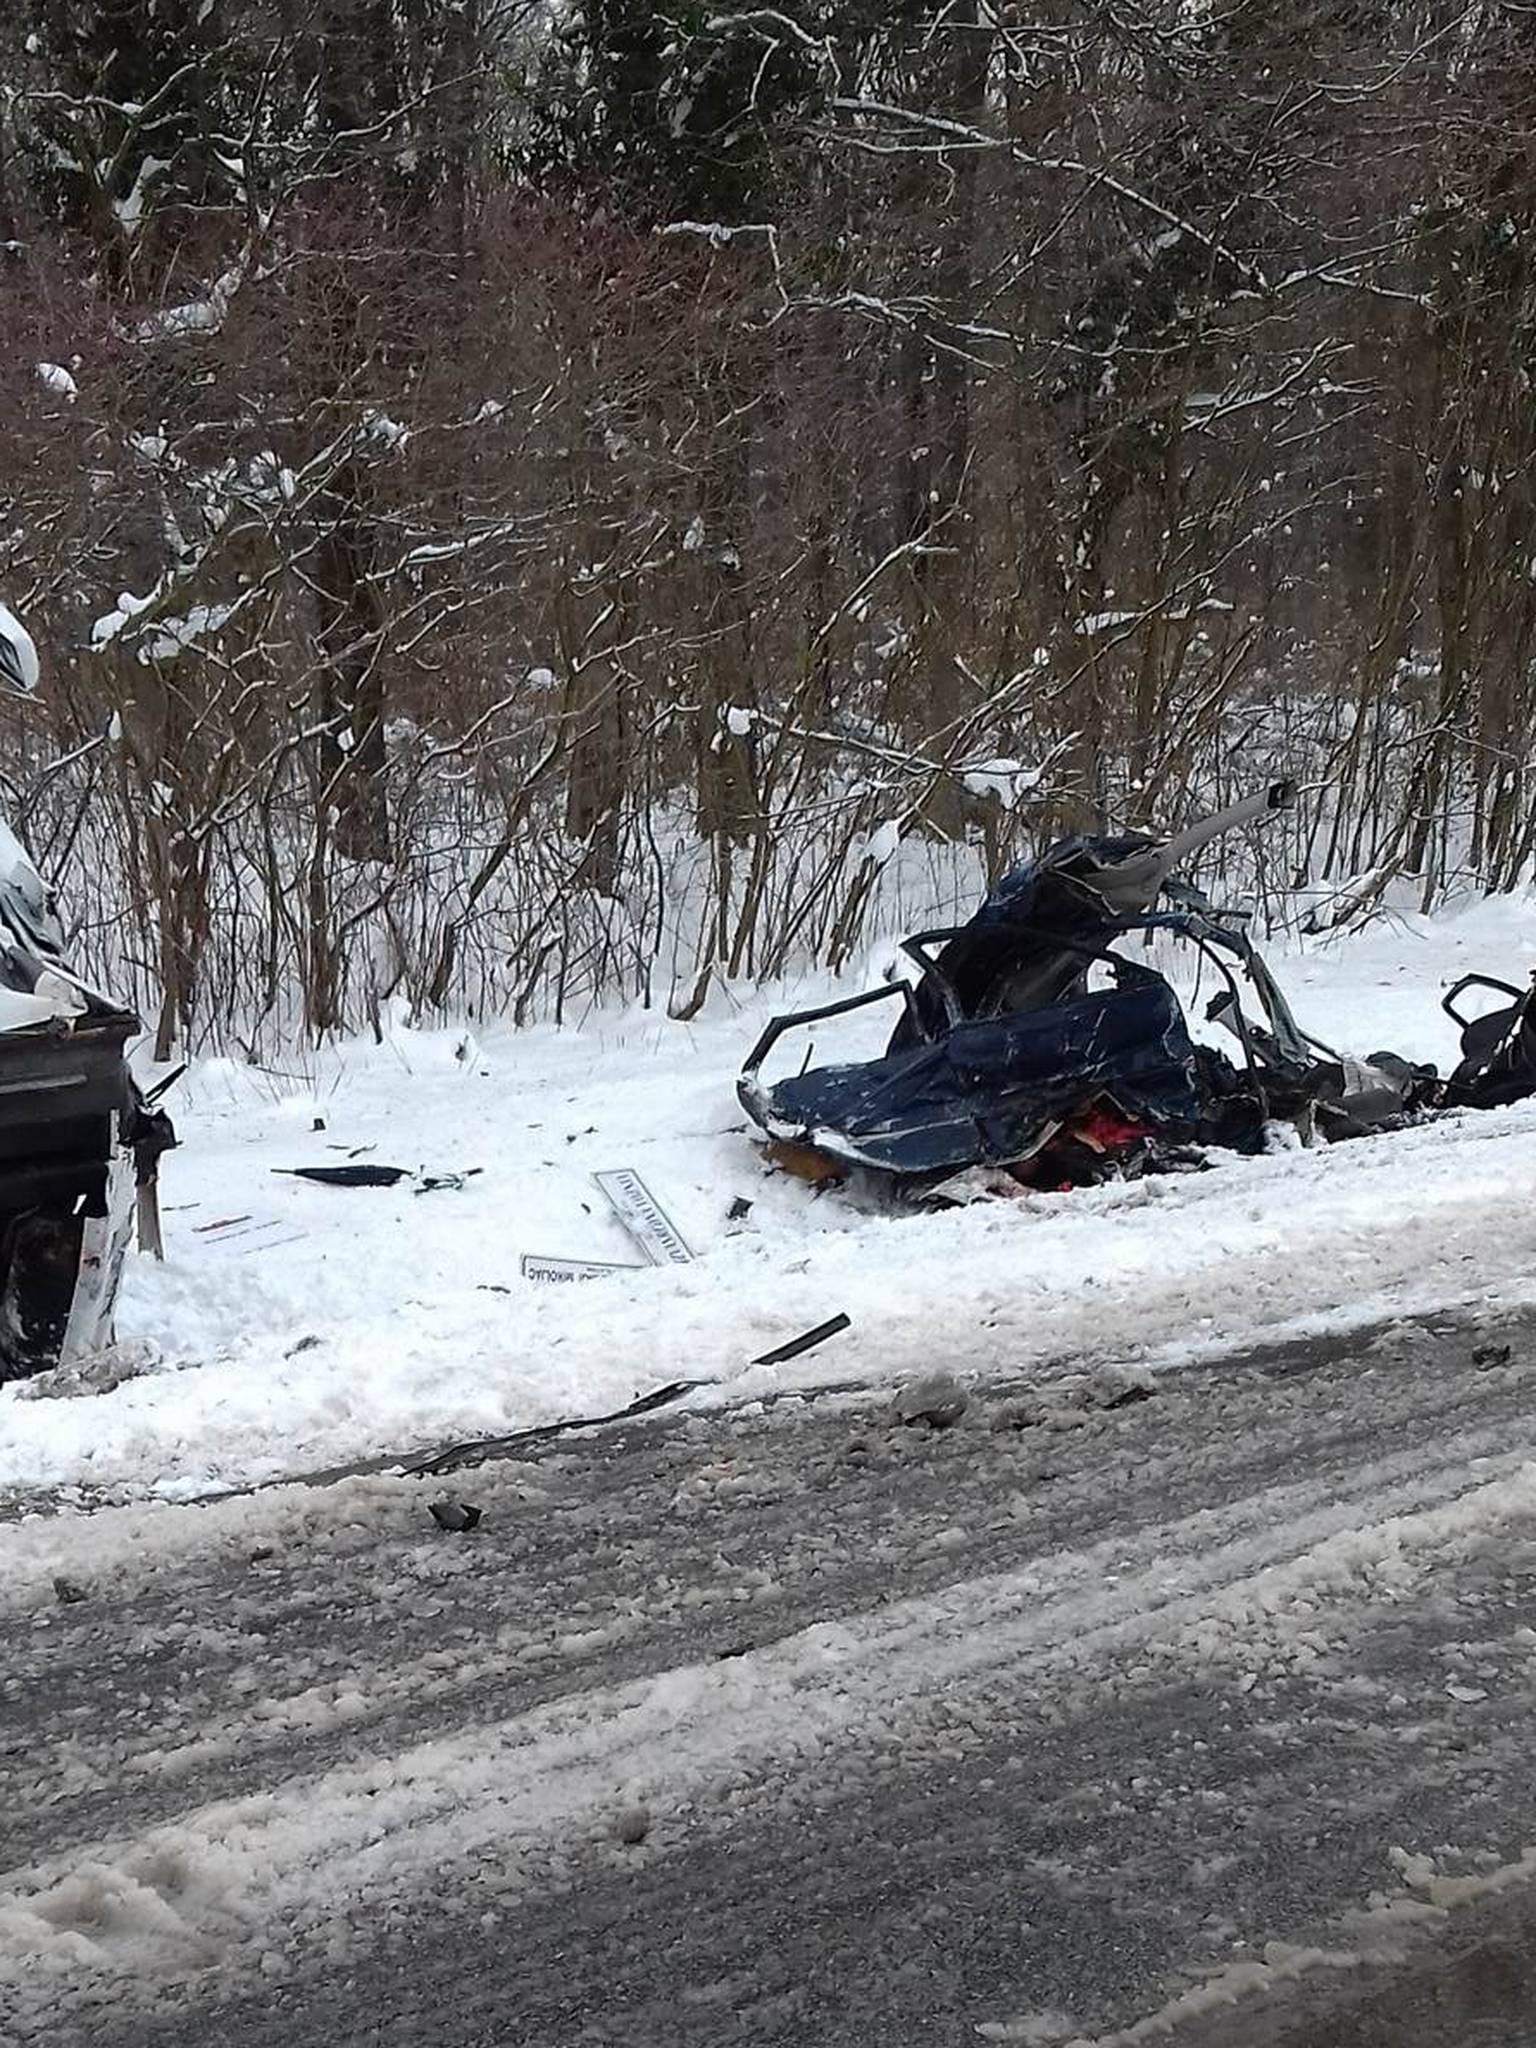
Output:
(1014, 897)
(1033, 916)
(986, 1092)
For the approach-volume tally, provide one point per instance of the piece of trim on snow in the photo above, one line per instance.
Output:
(560, 1272)
(475, 1449)
(643, 1216)
(806, 1341)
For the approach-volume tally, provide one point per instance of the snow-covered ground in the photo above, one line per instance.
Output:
(295, 1327)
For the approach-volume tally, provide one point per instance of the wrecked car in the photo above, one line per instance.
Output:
(1032, 1050)
(79, 1142)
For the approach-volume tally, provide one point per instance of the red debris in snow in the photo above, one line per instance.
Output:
(1105, 1130)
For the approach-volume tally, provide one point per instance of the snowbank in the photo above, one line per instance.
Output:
(295, 1326)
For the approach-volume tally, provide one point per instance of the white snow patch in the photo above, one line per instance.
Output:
(884, 843)
(110, 624)
(383, 432)
(56, 379)
(24, 647)
(171, 637)
(1105, 622)
(129, 209)
(1009, 781)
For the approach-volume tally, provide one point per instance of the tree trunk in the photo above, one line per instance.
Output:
(350, 680)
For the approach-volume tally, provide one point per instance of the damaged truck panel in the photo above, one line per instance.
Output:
(79, 1143)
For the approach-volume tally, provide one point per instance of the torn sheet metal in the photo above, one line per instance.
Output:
(103, 1249)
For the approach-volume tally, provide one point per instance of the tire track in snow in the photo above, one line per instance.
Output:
(347, 1617)
(1189, 1534)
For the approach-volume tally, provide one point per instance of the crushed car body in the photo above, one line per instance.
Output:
(79, 1142)
(1030, 1046)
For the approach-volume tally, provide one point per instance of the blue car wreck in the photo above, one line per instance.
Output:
(1030, 1046)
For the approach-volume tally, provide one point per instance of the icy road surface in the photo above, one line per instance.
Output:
(1076, 1722)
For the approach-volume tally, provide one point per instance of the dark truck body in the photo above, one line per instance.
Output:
(79, 1142)
(79, 1147)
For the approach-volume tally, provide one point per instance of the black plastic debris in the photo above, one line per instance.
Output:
(475, 1450)
(1119, 1386)
(429, 1183)
(69, 1592)
(1487, 1356)
(456, 1516)
(807, 1341)
(1498, 1048)
(347, 1176)
(1127, 1397)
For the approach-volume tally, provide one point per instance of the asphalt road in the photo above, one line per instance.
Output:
(1201, 1717)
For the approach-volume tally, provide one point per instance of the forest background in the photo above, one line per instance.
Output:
(525, 505)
